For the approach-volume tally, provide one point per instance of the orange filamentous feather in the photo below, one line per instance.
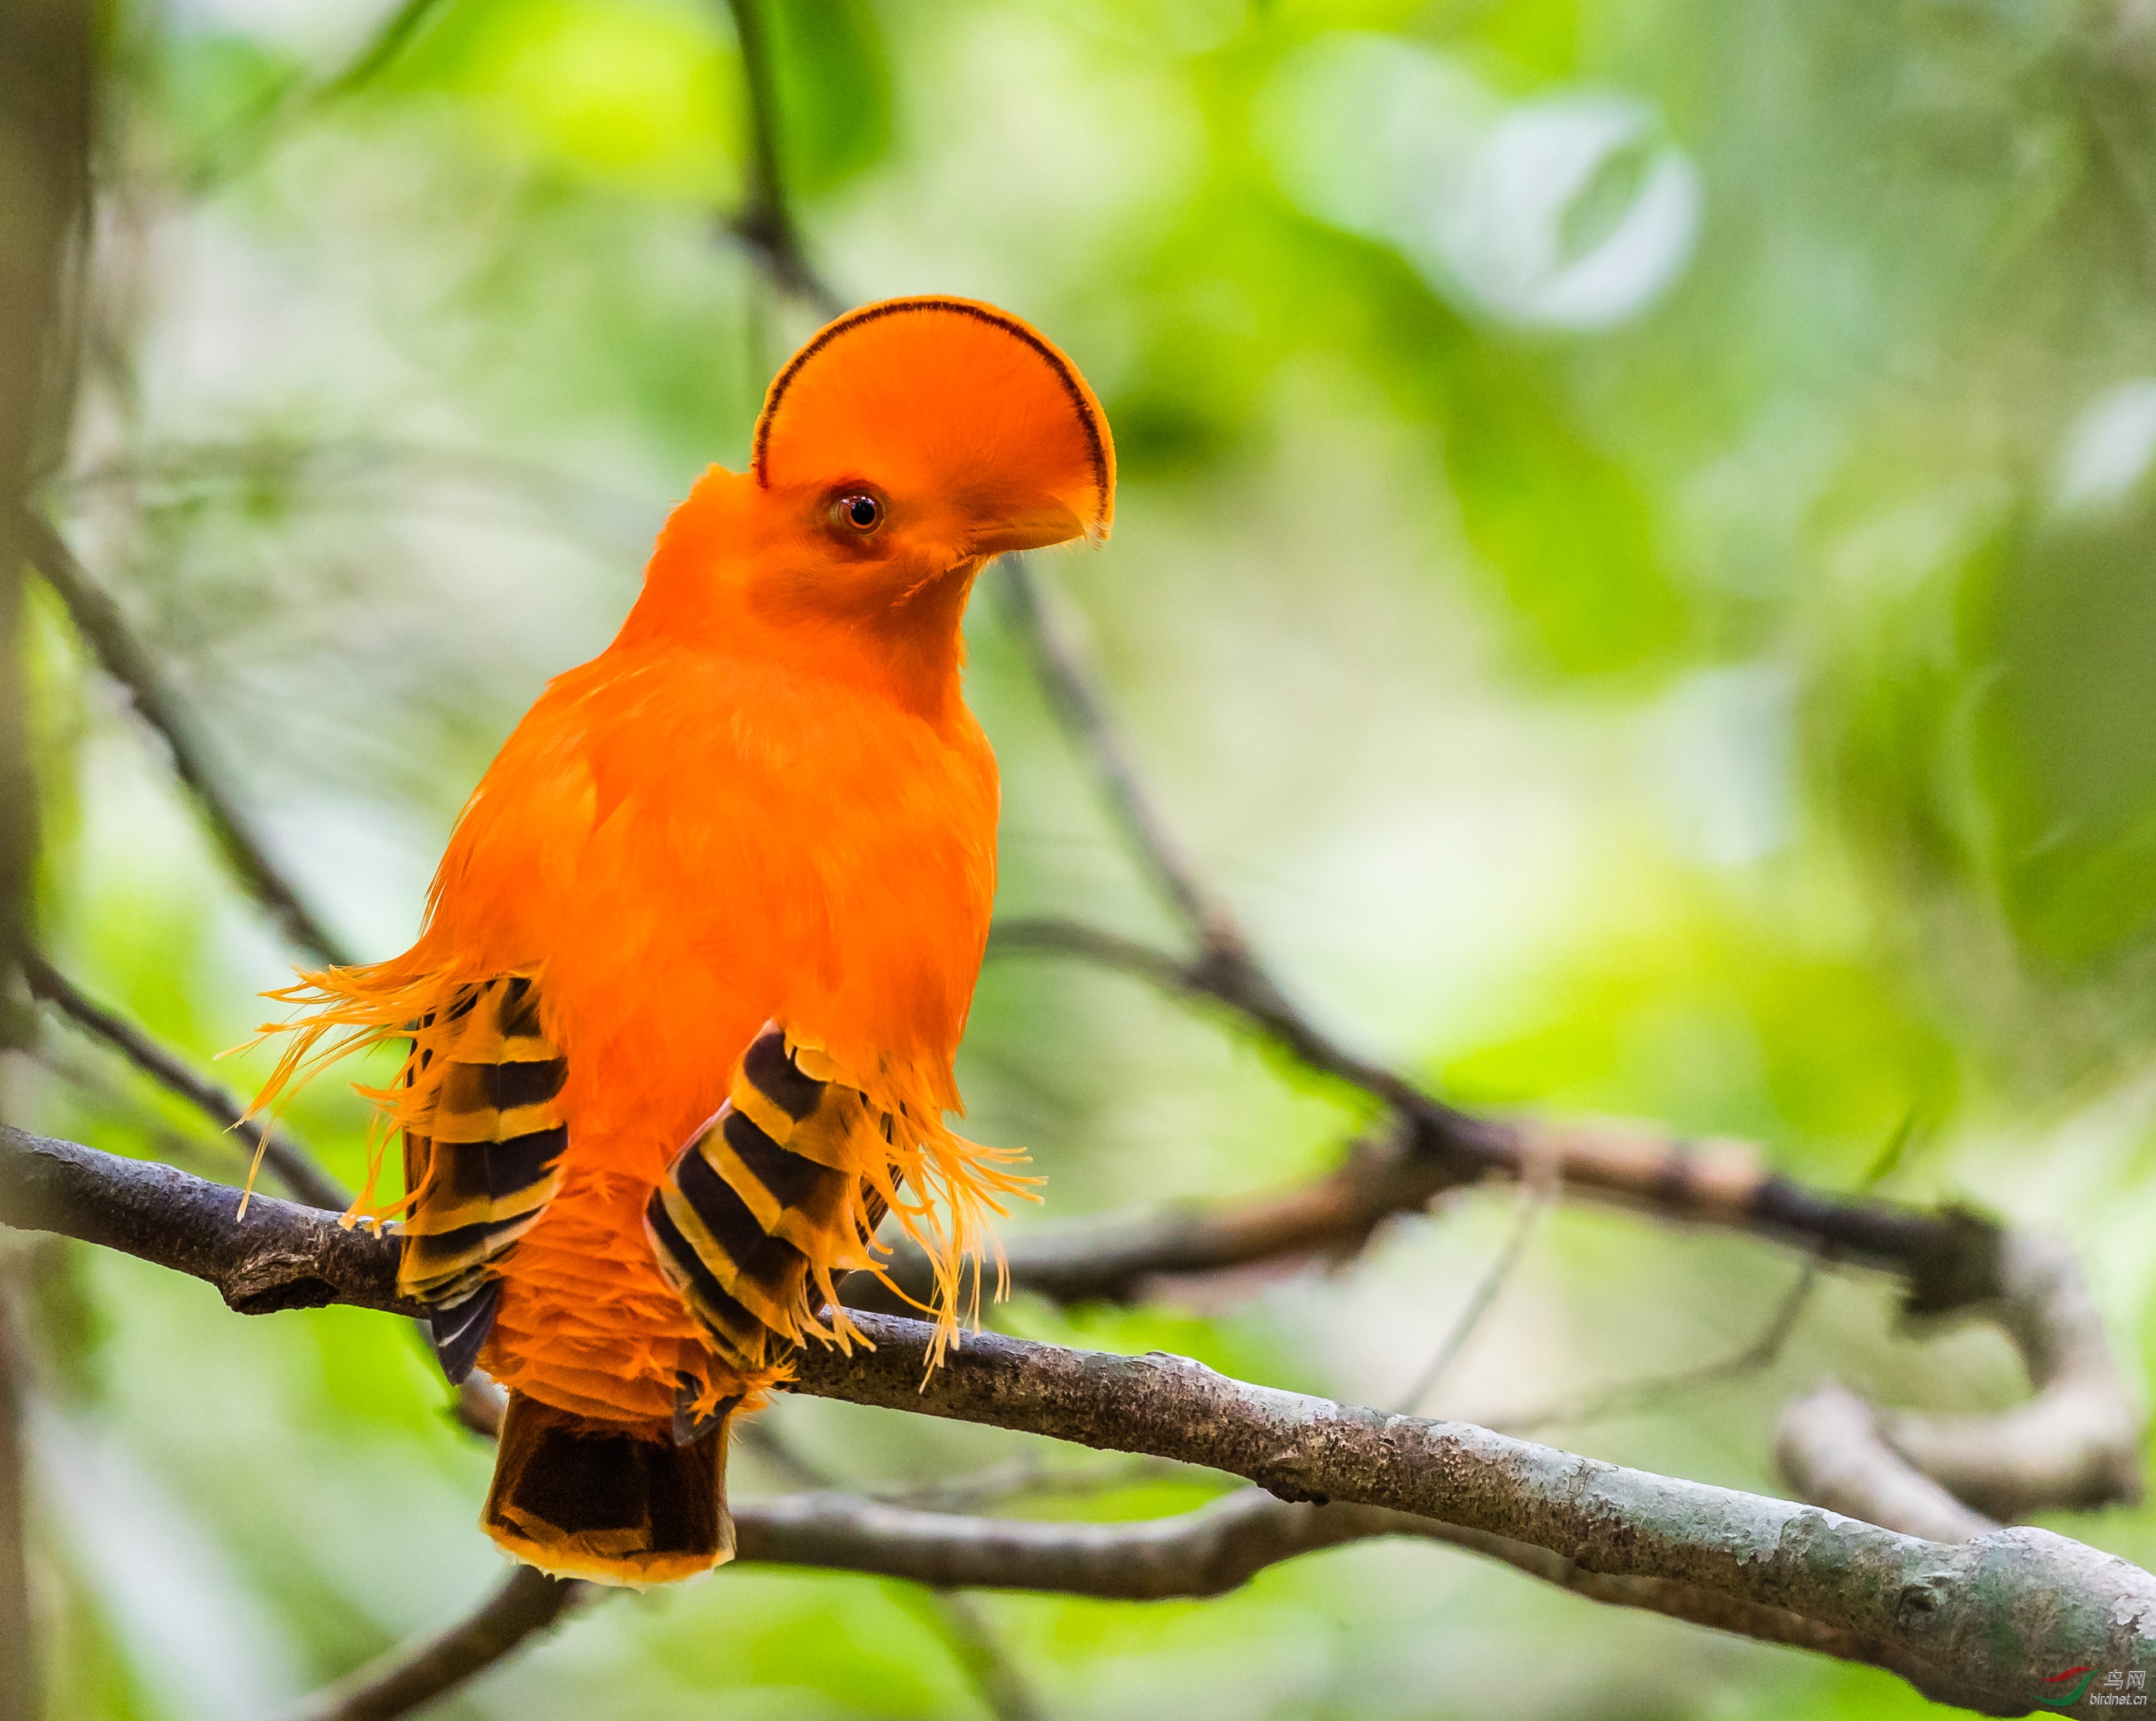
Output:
(765, 806)
(344, 1011)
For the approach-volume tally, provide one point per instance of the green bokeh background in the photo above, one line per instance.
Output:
(1732, 702)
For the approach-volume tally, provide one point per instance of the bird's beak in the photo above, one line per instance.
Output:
(1034, 525)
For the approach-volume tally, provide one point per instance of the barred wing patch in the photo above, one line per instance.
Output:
(482, 1156)
(759, 1201)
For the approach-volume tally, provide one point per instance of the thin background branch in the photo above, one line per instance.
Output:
(124, 657)
(1537, 1194)
(19, 1683)
(978, 1649)
(1440, 1147)
(248, 137)
(285, 1158)
(765, 221)
(1762, 1352)
(528, 1603)
(966, 1631)
(1067, 681)
(397, 33)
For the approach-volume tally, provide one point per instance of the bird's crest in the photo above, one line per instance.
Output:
(949, 394)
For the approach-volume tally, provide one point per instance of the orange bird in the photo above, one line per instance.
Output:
(695, 964)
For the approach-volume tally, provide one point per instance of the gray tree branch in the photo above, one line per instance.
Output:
(1967, 1625)
(282, 1256)
(1208, 1552)
(1831, 1450)
(2078, 1442)
(1193, 1555)
(1977, 1624)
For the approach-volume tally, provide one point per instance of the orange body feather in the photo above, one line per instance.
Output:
(765, 804)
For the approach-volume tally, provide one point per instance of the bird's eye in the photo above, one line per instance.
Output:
(862, 513)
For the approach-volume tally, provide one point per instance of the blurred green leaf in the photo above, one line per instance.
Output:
(2066, 733)
(1568, 532)
(642, 96)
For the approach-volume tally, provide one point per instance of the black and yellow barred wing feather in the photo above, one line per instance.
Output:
(483, 1143)
(762, 1207)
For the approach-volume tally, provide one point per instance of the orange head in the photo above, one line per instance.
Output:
(905, 444)
(943, 422)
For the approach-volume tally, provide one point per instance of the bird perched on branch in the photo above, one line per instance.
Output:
(695, 964)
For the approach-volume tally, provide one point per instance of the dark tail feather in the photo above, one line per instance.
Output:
(458, 1329)
(607, 1501)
